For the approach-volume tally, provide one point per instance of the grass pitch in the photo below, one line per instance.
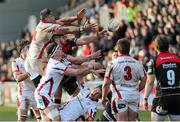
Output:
(10, 114)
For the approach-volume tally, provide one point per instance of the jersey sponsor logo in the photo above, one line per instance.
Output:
(126, 62)
(169, 65)
(159, 110)
(41, 102)
(121, 105)
(163, 58)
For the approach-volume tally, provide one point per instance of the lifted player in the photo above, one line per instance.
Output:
(56, 68)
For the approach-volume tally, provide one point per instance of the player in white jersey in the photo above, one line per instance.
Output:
(124, 73)
(26, 87)
(55, 70)
(46, 28)
(83, 106)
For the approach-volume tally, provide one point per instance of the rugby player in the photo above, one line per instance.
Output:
(69, 83)
(26, 87)
(56, 68)
(124, 73)
(46, 28)
(107, 113)
(83, 106)
(165, 69)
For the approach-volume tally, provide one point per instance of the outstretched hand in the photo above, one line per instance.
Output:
(90, 27)
(81, 14)
(96, 54)
(103, 33)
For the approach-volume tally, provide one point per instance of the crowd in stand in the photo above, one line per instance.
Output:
(141, 26)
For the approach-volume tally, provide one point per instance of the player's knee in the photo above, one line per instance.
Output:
(52, 113)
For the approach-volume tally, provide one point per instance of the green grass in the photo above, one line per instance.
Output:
(9, 114)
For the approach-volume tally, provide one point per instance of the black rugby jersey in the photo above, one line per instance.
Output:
(166, 68)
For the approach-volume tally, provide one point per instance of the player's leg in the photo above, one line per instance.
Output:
(119, 109)
(58, 95)
(157, 117)
(107, 114)
(133, 110)
(45, 103)
(52, 112)
(172, 105)
(44, 118)
(174, 117)
(37, 114)
(36, 111)
(121, 116)
(132, 115)
(157, 112)
(22, 109)
(22, 115)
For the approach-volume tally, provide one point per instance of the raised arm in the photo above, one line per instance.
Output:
(80, 71)
(62, 30)
(80, 59)
(69, 20)
(88, 39)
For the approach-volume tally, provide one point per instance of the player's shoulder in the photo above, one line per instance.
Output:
(55, 64)
(45, 26)
(18, 60)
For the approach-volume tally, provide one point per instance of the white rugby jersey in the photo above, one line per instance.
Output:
(124, 72)
(25, 87)
(79, 106)
(41, 38)
(53, 75)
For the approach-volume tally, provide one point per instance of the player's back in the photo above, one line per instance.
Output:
(126, 72)
(167, 67)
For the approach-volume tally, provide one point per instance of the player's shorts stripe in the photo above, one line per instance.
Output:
(18, 103)
(20, 89)
(51, 86)
(43, 85)
(117, 91)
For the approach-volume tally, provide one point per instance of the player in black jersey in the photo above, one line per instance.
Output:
(165, 68)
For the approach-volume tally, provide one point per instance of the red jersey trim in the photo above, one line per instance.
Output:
(165, 57)
(43, 49)
(118, 93)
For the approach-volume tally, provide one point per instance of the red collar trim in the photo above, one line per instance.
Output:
(43, 21)
(164, 52)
